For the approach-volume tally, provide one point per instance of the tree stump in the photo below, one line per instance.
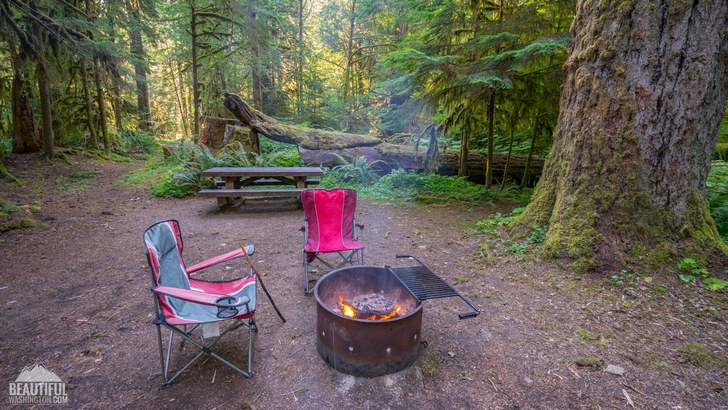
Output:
(238, 134)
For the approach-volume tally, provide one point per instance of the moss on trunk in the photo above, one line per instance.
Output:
(640, 112)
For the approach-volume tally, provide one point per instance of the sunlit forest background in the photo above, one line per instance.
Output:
(125, 73)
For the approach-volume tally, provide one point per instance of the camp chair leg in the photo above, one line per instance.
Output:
(306, 291)
(204, 349)
(169, 353)
(161, 353)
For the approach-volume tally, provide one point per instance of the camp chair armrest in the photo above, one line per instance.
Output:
(250, 249)
(202, 298)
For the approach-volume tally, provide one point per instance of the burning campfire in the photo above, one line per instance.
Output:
(367, 322)
(369, 318)
(371, 306)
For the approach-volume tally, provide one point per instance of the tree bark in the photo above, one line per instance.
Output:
(195, 80)
(44, 93)
(102, 106)
(44, 89)
(97, 81)
(644, 91)
(88, 106)
(178, 98)
(140, 69)
(489, 159)
(26, 136)
(299, 63)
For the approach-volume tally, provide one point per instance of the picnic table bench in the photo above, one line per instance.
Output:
(239, 183)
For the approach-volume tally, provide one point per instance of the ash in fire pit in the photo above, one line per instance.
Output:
(367, 323)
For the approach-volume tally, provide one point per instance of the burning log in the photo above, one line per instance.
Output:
(372, 306)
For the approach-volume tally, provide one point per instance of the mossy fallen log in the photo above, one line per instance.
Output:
(405, 157)
(308, 138)
(328, 148)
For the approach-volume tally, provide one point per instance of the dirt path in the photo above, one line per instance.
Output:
(74, 294)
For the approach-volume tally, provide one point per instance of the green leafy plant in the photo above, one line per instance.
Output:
(357, 171)
(623, 278)
(518, 248)
(717, 194)
(6, 145)
(715, 284)
(498, 220)
(137, 143)
(690, 270)
(538, 234)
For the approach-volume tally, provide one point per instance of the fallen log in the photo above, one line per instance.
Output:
(402, 156)
(308, 138)
(328, 148)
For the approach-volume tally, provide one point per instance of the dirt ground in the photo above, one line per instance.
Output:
(74, 294)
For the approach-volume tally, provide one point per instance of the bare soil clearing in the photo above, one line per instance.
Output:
(74, 294)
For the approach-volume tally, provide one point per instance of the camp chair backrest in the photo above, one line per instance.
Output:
(330, 215)
(164, 249)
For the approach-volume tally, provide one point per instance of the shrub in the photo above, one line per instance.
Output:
(717, 190)
(137, 142)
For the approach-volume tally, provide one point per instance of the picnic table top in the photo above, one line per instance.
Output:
(263, 172)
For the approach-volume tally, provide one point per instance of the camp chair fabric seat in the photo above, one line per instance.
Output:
(330, 220)
(183, 302)
(330, 227)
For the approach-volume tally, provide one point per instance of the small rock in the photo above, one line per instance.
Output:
(619, 371)
(451, 354)
(528, 380)
(631, 293)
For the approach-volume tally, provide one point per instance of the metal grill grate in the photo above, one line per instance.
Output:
(426, 285)
(423, 283)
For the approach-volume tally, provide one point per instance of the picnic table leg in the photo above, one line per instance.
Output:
(300, 182)
(230, 183)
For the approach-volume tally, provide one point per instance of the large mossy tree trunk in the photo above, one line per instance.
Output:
(644, 90)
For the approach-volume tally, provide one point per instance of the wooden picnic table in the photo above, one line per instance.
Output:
(244, 182)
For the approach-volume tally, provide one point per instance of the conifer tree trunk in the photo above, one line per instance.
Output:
(97, 82)
(88, 106)
(44, 89)
(26, 136)
(195, 81)
(299, 63)
(644, 90)
(102, 106)
(489, 161)
(140, 69)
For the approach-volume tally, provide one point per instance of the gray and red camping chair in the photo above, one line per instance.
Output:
(330, 228)
(184, 305)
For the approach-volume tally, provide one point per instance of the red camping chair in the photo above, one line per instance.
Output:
(182, 302)
(329, 229)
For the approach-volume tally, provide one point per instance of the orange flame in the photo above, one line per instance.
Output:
(394, 313)
(349, 311)
(346, 310)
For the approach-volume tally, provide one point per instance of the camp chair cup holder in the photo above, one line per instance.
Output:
(229, 306)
